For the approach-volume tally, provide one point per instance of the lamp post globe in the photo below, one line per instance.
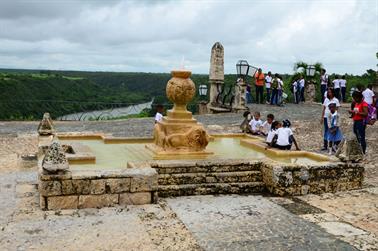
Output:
(310, 71)
(242, 68)
(202, 90)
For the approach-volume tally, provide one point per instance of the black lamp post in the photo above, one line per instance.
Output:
(243, 69)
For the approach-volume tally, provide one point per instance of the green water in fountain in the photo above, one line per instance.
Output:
(111, 156)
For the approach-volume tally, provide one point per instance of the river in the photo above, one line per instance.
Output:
(107, 113)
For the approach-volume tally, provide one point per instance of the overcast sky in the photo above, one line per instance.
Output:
(154, 36)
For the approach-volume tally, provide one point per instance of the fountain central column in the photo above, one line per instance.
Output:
(178, 132)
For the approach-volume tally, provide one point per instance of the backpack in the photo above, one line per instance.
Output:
(372, 115)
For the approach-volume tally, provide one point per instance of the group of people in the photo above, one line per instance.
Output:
(363, 112)
(273, 86)
(278, 134)
(339, 84)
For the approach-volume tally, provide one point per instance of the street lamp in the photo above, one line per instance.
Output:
(310, 71)
(202, 90)
(243, 69)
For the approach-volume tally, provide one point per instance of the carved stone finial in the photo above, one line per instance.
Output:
(46, 127)
(350, 150)
(55, 159)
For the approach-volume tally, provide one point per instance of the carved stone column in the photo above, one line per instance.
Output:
(216, 73)
(239, 103)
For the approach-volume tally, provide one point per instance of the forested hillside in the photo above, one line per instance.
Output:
(26, 94)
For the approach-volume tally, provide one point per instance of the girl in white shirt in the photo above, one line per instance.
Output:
(325, 112)
(272, 133)
(284, 137)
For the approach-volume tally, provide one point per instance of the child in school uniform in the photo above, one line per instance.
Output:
(284, 137)
(244, 126)
(334, 135)
(159, 113)
(272, 132)
(255, 124)
(266, 126)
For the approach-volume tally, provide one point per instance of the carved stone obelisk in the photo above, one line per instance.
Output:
(216, 74)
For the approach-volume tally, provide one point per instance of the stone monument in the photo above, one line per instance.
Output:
(46, 127)
(216, 74)
(350, 150)
(55, 160)
(310, 92)
(178, 132)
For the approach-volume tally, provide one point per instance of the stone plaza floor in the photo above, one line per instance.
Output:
(341, 221)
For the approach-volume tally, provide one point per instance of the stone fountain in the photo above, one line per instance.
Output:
(179, 133)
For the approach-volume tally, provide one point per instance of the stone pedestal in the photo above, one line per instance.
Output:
(179, 133)
(202, 108)
(239, 103)
(310, 92)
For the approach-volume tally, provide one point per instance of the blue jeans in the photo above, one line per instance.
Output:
(343, 93)
(323, 89)
(325, 134)
(359, 129)
(273, 101)
(249, 97)
(337, 93)
(302, 94)
(267, 94)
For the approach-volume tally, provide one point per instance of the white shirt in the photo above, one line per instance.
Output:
(342, 82)
(368, 96)
(268, 80)
(327, 102)
(283, 135)
(270, 136)
(158, 117)
(302, 83)
(324, 79)
(255, 124)
(266, 126)
(336, 83)
(280, 84)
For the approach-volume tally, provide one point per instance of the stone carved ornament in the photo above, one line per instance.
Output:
(46, 127)
(55, 159)
(195, 139)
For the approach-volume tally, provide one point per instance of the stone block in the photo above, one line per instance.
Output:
(144, 184)
(117, 185)
(98, 201)
(81, 186)
(97, 186)
(42, 202)
(67, 187)
(66, 175)
(62, 202)
(135, 198)
(50, 188)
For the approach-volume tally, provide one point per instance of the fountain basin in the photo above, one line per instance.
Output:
(108, 171)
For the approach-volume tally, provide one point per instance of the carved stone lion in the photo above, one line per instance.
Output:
(195, 139)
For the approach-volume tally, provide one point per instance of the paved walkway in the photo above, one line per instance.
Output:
(249, 223)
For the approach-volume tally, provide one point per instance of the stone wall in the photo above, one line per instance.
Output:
(96, 189)
(281, 179)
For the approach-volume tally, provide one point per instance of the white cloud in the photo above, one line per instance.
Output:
(155, 35)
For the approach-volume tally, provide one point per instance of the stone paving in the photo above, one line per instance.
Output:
(348, 217)
(249, 223)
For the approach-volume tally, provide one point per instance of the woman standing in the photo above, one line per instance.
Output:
(330, 99)
(359, 113)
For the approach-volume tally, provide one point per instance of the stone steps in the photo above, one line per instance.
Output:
(211, 188)
(202, 178)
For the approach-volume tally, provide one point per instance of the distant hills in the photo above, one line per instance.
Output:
(27, 94)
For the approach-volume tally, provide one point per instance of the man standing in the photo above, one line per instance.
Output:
(343, 82)
(268, 81)
(336, 86)
(259, 82)
(323, 83)
(301, 84)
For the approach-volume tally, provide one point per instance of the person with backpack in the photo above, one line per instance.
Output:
(274, 87)
(359, 115)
